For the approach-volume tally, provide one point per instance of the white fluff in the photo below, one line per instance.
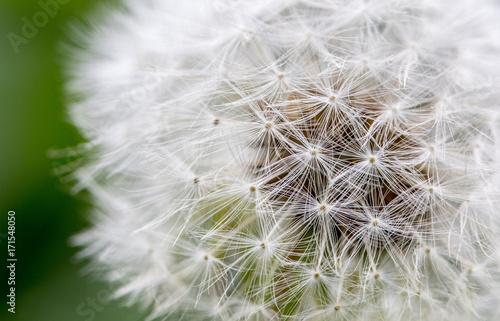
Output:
(294, 159)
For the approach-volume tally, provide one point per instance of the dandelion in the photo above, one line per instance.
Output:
(294, 159)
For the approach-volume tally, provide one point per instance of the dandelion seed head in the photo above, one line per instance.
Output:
(294, 160)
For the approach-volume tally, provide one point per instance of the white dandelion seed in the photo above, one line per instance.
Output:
(294, 159)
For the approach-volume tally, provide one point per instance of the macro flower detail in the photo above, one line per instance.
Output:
(294, 160)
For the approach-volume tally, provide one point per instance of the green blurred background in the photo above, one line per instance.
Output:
(49, 283)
